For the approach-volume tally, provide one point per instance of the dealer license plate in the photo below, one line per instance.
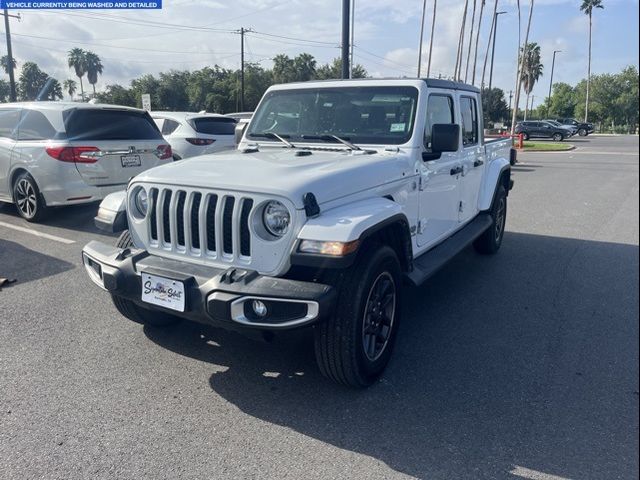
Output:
(163, 292)
(130, 160)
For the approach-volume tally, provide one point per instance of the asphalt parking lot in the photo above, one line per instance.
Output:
(522, 365)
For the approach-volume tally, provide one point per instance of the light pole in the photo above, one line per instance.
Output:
(424, 9)
(493, 48)
(553, 64)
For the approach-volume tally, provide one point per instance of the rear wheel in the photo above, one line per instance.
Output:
(491, 240)
(132, 311)
(525, 136)
(558, 137)
(354, 346)
(27, 198)
(583, 132)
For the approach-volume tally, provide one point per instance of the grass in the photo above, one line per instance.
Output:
(547, 146)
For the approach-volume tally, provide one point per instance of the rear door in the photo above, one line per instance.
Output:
(9, 118)
(473, 158)
(116, 144)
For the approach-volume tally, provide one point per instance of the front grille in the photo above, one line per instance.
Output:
(200, 223)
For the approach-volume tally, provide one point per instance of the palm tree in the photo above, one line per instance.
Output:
(77, 60)
(4, 63)
(587, 7)
(94, 68)
(516, 99)
(475, 55)
(473, 22)
(433, 27)
(70, 86)
(531, 70)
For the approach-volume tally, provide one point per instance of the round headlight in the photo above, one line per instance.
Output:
(141, 201)
(276, 218)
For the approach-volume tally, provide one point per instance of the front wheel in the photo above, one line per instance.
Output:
(583, 132)
(132, 311)
(558, 137)
(354, 346)
(490, 241)
(525, 136)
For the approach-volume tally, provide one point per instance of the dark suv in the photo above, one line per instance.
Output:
(539, 129)
(584, 129)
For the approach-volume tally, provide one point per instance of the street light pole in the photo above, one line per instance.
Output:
(493, 48)
(346, 20)
(553, 64)
(424, 9)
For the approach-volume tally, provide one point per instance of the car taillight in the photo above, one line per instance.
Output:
(163, 152)
(200, 141)
(74, 154)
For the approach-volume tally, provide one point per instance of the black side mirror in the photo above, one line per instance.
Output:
(445, 137)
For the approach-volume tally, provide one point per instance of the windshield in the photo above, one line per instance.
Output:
(369, 115)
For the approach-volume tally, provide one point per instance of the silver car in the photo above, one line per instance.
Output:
(55, 153)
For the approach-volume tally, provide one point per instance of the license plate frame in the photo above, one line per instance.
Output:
(163, 292)
(130, 160)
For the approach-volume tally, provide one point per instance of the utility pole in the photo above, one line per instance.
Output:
(345, 38)
(531, 107)
(510, 97)
(352, 45)
(493, 48)
(242, 31)
(553, 64)
(424, 9)
(12, 80)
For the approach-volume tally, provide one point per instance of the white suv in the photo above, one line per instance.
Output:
(54, 153)
(193, 134)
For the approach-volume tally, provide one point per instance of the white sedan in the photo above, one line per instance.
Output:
(193, 134)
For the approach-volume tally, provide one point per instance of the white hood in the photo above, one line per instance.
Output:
(328, 175)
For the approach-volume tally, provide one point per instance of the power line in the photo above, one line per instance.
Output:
(332, 44)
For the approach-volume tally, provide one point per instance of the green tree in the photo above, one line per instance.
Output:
(70, 86)
(562, 102)
(587, 7)
(4, 63)
(118, 95)
(172, 90)
(494, 105)
(55, 90)
(94, 67)
(32, 80)
(5, 91)
(333, 70)
(284, 69)
(532, 69)
(305, 67)
(77, 60)
(628, 100)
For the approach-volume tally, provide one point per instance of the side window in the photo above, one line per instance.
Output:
(439, 110)
(469, 112)
(8, 122)
(35, 126)
(169, 126)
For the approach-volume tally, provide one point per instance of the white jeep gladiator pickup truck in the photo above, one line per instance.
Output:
(339, 193)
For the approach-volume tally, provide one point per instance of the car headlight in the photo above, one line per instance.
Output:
(141, 202)
(276, 218)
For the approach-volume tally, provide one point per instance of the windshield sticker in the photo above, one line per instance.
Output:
(397, 127)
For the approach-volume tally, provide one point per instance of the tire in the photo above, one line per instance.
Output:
(132, 311)
(558, 137)
(341, 340)
(525, 136)
(490, 241)
(27, 198)
(583, 132)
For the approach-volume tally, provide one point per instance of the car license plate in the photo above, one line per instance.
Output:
(163, 292)
(130, 160)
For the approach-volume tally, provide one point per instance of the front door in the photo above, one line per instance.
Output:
(439, 178)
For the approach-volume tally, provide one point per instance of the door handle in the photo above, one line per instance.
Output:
(477, 163)
(456, 171)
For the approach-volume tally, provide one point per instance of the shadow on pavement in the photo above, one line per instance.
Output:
(503, 362)
(24, 265)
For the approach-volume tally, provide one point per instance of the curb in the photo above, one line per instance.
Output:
(570, 149)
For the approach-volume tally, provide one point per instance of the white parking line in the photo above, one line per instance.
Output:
(534, 474)
(38, 234)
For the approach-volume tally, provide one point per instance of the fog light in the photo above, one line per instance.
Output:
(259, 308)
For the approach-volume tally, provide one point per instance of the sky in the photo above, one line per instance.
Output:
(191, 34)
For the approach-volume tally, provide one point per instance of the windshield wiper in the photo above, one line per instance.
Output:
(274, 135)
(329, 138)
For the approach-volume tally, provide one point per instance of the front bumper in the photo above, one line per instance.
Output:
(212, 296)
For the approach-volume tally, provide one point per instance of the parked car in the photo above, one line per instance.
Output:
(242, 119)
(339, 193)
(193, 134)
(571, 129)
(55, 153)
(584, 129)
(540, 129)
